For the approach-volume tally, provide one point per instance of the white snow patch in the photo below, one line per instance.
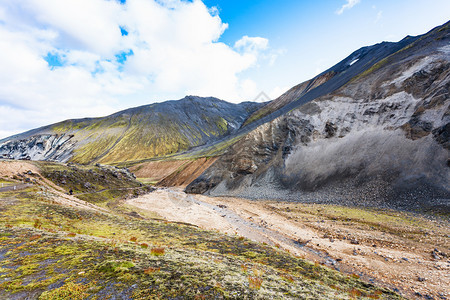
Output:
(353, 61)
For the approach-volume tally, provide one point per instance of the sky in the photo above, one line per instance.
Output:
(65, 59)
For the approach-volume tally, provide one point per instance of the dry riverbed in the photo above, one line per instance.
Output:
(399, 250)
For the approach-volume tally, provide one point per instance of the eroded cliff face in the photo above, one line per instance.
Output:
(40, 147)
(381, 140)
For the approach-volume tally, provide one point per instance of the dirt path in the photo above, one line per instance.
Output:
(381, 253)
(15, 187)
(9, 169)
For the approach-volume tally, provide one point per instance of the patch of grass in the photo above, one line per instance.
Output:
(407, 225)
(5, 183)
(211, 151)
(147, 181)
(115, 266)
(388, 219)
(70, 290)
(259, 114)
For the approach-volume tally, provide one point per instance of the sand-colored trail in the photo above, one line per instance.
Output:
(376, 255)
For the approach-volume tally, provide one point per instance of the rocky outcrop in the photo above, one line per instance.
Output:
(40, 147)
(379, 140)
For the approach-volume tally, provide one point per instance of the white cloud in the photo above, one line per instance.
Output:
(379, 16)
(171, 50)
(278, 91)
(249, 88)
(251, 44)
(348, 5)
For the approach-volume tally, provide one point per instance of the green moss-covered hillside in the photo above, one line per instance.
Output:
(151, 131)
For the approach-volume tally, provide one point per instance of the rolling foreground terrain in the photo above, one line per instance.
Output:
(338, 189)
(115, 238)
(57, 246)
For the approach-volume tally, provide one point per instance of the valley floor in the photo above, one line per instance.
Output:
(402, 251)
(93, 245)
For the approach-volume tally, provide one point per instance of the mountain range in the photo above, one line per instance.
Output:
(149, 131)
(372, 130)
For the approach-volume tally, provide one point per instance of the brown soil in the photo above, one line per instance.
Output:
(172, 173)
(187, 173)
(156, 170)
(11, 168)
(395, 254)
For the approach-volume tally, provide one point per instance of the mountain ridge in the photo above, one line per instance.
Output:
(381, 139)
(175, 125)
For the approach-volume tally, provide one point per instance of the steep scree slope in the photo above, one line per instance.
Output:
(382, 139)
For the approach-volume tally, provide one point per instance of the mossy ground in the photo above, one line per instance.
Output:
(369, 216)
(49, 251)
(92, 183)
(5, 183)
(413, 227)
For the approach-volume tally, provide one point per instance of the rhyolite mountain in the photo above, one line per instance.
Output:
(372, 130)
(155, 130)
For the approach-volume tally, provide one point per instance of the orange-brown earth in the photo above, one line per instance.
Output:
(171, 173)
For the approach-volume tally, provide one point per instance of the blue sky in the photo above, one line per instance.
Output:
(312, 36)
(87, 58)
